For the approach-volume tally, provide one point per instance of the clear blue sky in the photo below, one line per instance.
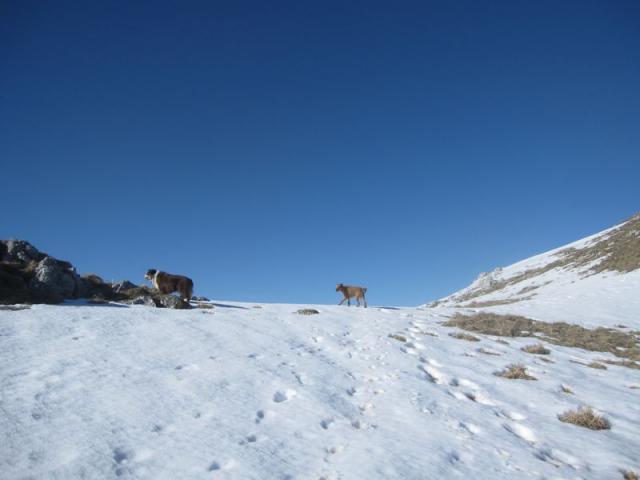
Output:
(271, 149)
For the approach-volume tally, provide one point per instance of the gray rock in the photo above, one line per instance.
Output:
(20, 250)
(57, 279)
(143, 300)
(200, 299)
(171, 301)
(122, 285)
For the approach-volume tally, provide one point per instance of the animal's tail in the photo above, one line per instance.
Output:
(190, 290)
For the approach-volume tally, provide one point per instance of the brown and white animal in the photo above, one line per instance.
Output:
(352, 292)
(167, 283)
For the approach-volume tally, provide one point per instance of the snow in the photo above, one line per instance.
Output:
(239, 392)
(562, 294)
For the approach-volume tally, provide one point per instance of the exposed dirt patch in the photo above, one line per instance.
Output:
(622, 363)
(621, 344)
(398, 337)
(464, 336)
(493, 303)
(537, 349)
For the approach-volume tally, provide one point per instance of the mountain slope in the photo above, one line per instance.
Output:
(594, 281)
(240, 392)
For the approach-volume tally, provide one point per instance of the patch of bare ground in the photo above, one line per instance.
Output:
(464, 336)
(585, 417)
(307, 311)
(629, 475)
(537, 349)
(566, 390)
(15, 308)
(493, 303)
(597, 366)
(515, 372)
(546, 360)
(398, 337)
(621, 344)
(622, 363)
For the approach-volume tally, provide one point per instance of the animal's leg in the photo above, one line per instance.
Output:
(342, 301)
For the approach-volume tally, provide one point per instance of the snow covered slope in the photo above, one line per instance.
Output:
(593, 282)
(237, 392)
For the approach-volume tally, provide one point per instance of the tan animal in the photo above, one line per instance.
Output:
(167, 283)
(352, 292)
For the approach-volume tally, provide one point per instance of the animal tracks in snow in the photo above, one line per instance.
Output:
(282, 396)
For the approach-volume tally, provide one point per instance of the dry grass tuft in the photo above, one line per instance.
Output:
(585, 417)
(431, 334)
(464, 336)
(622, 363)
(537, 349)
(398, 337)
(621, 344)
(629, 475)
(566, 389)
(597, 365)
(493, 303)
(515, 372)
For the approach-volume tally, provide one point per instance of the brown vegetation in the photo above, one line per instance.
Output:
(537, 349)
(597, 366)
(515, 372)
(398, 337)
(621, 344)
(622, 363)
(464, 336)
(585, 417)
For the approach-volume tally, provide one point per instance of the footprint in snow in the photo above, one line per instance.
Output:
(264, 415)
(282, 396)
(521, 431)
(326, 423)
(217, 466)
(433, 374)
(252, 439)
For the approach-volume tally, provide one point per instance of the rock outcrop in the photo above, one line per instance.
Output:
(30, 276)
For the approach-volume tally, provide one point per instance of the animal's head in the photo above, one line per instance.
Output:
(339, 287)
(150, 274)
